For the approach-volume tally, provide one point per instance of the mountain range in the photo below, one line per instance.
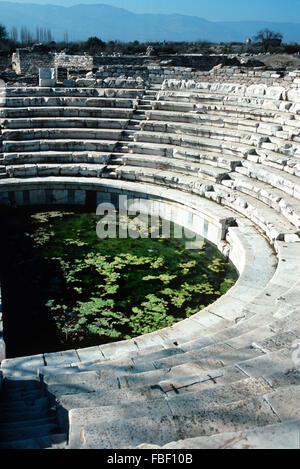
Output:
(111, 23)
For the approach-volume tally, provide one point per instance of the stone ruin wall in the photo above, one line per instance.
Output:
(157, 74)
(24, 61)
(84, 70)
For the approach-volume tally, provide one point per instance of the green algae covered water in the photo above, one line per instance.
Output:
(64, 287)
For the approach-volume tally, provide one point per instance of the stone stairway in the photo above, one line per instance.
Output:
(26, 419)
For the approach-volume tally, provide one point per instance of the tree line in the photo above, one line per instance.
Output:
(264, 41)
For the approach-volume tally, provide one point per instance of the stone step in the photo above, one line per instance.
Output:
(84, 387)
(214, 356)
(268, 364)
(250, 113)
(164, 145)
(64, 122)
(285, 402)
(51, 169)
(54, 441)
(272, 176)
(193, 400)
(225, 95)
(91, 377)
(21, 395)
(98, 157)
(26, 102)
(261, 340)
(144, 394)
(18, 415)
(65, 92)
(61, 112)
(271, 123)
(60, 133)
(215, 159)
(133, 359)
(29, 404)
(208, 131)
(205, 118)
(14, 384)
(276, 198)
(279, 436)
(23, 433)
(10, 426)
(184, 167)
(272, 222)
(165, 428)
(165, 178)
(60, 145)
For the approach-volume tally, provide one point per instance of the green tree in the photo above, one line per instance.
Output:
(94, 45)
(268, 39)
(3, 33)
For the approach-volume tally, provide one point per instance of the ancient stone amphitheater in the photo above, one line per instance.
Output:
(223, 159)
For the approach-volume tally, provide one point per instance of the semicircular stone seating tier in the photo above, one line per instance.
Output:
(225, 160)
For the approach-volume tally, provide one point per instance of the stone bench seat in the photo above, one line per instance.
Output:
(273, 103)
(167, 178)
(273, 223)
(59, 145)
(162, 427)
(56, 157)
(165, 164)
(183, 375)
(256, 137)
(281, 161)
(262, 127)
(173, 174)
(205, 389)
(229, 115)
(272, 437)
(258, 342)
(65, 122)
(276, 198)
(242, 106)
(232, 89)
(282, 116)
(65, 112)
(274, 177)
(254, 343)
(233, 108)
(234, 117)
(283, 144)
(20, 135)
(68, 102)
(166, 144)
(109, 413)
(212, 158)
(37, 92)
(74, 169)
(268, 339)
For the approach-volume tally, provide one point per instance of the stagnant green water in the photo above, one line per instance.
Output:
(64, 287)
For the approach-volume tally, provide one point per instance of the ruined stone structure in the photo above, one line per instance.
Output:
(220, 157)
(29, 60)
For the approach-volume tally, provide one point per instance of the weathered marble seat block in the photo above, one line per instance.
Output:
(47, 77)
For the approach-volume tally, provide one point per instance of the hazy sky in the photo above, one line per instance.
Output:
(214, 10)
